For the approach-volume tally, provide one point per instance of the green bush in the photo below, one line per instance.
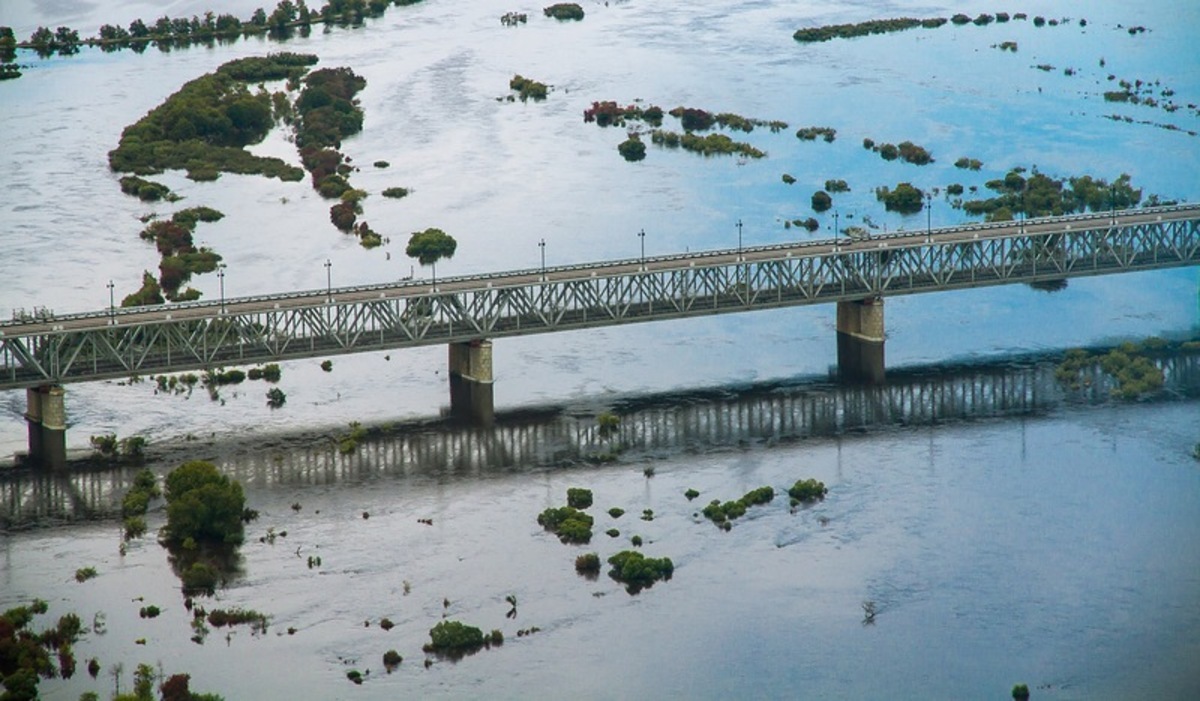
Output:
(636, 571)
(579, 498)
(568, 523)
(837, 186)
(588, 564)
(807, 490)
(528, 89)
(905, 198)
(821, 201)
(396, 192)
(612, 533)
(453, 638)
(564, 11)
(632, 149)
(276, 398)
(1020, 692)
(691, 494)
(616, 512)
(788, 179)
(83, 574)
(392, 659)
(203, 505)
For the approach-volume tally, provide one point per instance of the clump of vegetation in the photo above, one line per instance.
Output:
(430, 246)
(327, 365)
(811, 133)
(579, 498)
(588, 564)
(612, 533)
(348, 442)
(636, 541)
(911, 153)
(968, 163)
(1008, 46)
(876, 26)
(209, 122)
(454, 639)
(83, 574)
(25, 656)
(355, 676)
(382, 164)
(564, 11)
(150, 611)
(722, 514)
(392, 660)
(616, 512)
(512, 19)
(810, 224)
(200, 578)
(146, 190)
(150, 293)
(905, 198)
(568, 523)
(710, 145)
(788, 179)
(1041, 195)
(527, 88)
(647, 514)
(137, 501)
(396, 192)
(808, 490)
(632, 149)
(276, 398)
(837, 186)
(821, 201)
(1020, 692)
(608, 423)
(637, 572)
(203, 505)
(220, 618)
(691, 494)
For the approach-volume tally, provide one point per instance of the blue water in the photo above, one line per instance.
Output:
(972, 601)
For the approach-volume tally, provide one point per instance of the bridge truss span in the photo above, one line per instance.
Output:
(197, 336)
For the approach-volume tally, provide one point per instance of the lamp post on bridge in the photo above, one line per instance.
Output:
(836, 230)
(1112, 202)
(542, 245)
(221, 277)
(112, 305)
(328, 281)
(739, 226)
(928, 216)
(642, 236)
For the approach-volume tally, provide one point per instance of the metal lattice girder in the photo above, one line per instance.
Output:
(198, 336)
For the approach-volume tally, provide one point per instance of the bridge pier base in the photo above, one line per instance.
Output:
(860, 337)
(471, 394)
(46, 416)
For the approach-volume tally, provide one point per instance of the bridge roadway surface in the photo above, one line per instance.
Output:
(1123, 225)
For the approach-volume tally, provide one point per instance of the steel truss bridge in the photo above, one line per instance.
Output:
(44, 349)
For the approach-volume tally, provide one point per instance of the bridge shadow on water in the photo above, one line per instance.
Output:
(650, 426)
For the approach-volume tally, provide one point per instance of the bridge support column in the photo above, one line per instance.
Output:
(471, 395)
(46, 415)
(860, 337)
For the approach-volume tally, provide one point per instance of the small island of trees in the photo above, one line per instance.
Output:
(564, 11)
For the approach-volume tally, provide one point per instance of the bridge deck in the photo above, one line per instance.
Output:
(49, 349)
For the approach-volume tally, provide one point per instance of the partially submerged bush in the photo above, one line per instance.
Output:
(568, 523)
(454, 638)
(636, 571)
(564, 11)
(588, 564)
(807, 490)
(203, 505)
(83, 574)
(579, 498)
(392, 659)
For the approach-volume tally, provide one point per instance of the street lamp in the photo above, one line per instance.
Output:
(836, 231)
(739, 226)
(642, 236)
(328, 281)
(928, 217)
(1112, 201)
(112, 306)
(542, 245)
(221, 277)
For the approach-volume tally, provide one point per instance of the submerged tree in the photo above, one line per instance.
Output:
(430, 246)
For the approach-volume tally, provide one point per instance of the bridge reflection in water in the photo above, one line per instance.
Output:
(650, 426)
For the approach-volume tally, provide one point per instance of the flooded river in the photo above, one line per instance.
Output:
(1047, 541)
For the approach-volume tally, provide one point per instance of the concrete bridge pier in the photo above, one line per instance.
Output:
(46, 415)
(860, 337)
(471, 395)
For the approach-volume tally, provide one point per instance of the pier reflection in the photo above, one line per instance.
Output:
(538, 438)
